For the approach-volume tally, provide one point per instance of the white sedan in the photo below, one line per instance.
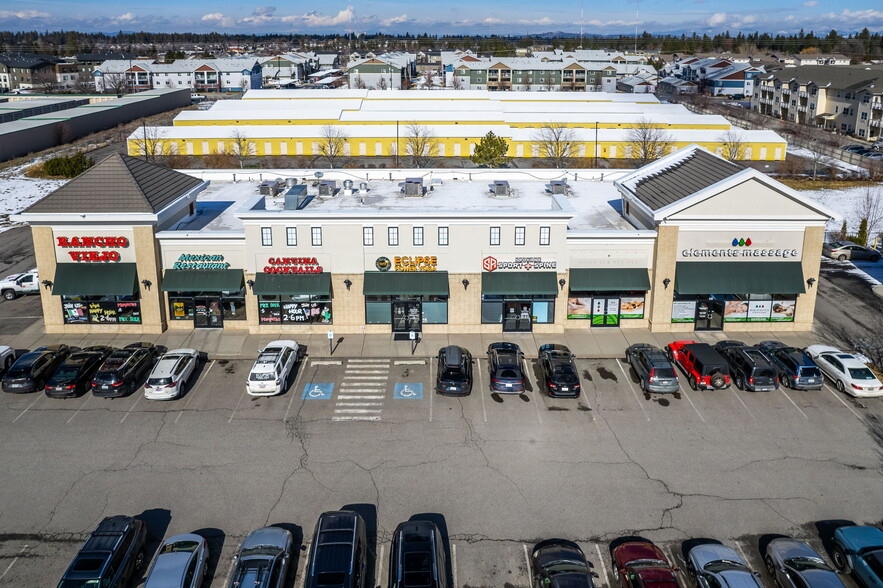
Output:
(180, 561)
(7, 358)
(170, 374)
(847, 372)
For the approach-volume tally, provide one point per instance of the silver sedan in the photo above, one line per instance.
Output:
(179, 563)
(794, 564)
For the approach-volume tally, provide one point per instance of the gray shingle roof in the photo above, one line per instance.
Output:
(118, 183)
(842, 77)
(683, 178)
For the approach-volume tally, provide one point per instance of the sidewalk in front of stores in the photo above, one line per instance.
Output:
(227, 344)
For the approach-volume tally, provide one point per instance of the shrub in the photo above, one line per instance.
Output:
(67, 167)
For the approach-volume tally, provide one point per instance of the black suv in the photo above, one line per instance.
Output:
(559, 371)
(111, 557)
(417, 557)
(454, 371)
(32, 370)
(74, 376)
(750, 368)
(504, 365)
(796, 368)
(339, 553)
(121, 372)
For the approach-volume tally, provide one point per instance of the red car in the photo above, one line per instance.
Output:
(704, 367)
(640, 564)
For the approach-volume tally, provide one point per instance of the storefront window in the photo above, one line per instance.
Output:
(291, 309)
(539, 309)
(101, 309)
(434, 309)
(233, 305)
(184, 306)
(378, 313)
(435, 313)
(180, 309)
(582, 305)
(740, 308)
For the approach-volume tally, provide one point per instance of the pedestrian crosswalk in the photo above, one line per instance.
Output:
(362, 391)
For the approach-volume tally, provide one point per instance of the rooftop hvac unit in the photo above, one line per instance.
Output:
(295, 197)
(347, 184)
(559, 187)
(327, 187)
(363, 186)
(413, 187)
(501, 188)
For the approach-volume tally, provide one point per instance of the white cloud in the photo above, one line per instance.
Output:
(23, 14)
(717, 19)
(492, 20)
(811, 3)
(314, 19)
(264, 11)
(219, 19)
(124, 18)
(749, 19)
(401, 19)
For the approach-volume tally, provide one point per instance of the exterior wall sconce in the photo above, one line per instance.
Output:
(561, 283)
(348, 284)
(465, 283)
(810, 282)
(666, 282)
(147, 284)
(250, 284)
(47, 284)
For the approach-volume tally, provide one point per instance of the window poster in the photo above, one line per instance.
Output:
(631, 307)
(759, 310)
(683, 311)
(75, 312)
(783, 310)
(736, 311)
(579, 307)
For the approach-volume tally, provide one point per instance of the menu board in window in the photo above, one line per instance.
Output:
(75, 312)
(269, 312)
(129, 311)
(683, 311)
(103, 312)
(295, 312)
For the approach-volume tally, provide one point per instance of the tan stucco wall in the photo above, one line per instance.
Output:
(660, 298)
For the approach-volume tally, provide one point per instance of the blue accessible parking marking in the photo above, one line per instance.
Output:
(317, 391)
(408, 391)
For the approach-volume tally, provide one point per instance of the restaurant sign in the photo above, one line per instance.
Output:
(93, 248)
(490, 264)
(292, 265)
(201, 261)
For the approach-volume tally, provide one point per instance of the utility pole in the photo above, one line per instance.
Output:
(397, 144)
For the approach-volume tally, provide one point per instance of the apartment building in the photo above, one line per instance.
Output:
(24, 71)
(202, 75)
(387, 71)
(716, 76)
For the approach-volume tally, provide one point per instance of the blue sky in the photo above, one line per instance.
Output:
(449, 17)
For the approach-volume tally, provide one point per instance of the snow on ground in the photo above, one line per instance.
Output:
(17, 192)
(846, 203)
(826, 161)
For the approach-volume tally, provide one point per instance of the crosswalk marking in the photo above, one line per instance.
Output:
(362, 390)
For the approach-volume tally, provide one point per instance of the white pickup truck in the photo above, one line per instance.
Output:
(15, 285)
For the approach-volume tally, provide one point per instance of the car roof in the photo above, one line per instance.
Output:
(862, 535)
(704, 353)
(453, 355)
(165, 366)
(636, 550)
(709, 552)
(554, 348)
(169, 570)
(270, 536)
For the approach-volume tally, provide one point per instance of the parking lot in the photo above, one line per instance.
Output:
(501, 471)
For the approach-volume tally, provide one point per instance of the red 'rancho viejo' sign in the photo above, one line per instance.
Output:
(93, 248)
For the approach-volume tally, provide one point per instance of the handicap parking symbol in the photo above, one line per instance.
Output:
(408, 391)
(317, 391)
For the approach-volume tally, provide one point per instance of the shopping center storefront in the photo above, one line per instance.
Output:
(690, 242)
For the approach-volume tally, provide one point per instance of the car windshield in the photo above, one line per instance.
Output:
(837, 244)
(454, 375)
(159, 381)
(19, 372)
(764, 373)
(105, 377)
(723, 565)
(261, 376)
(664, 372)
(260, 550)
(861, 374)
(178, 546)
(80, 584)
(807, 563)
(65, 372)
(564, 566)
(809, 372)
(508, 374)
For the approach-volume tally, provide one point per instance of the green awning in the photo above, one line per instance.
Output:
(509, 283)
(187, 280)
(303, 284)
(406, 283)
(745, 277)
(74, 279)
(609, 279)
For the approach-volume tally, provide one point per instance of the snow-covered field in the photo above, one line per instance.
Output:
(18, 192)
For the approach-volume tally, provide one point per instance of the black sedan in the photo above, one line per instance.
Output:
(74, 376)
(559, 371)
(122, 371)
(558, 563)
(32, 370)
(504, 364)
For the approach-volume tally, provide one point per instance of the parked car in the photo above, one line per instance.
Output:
(641, 563)
(854, 148)
(848, 250)
(339, 553)
(454, 373)
(504, 365)
(796, 369)
(417, 557)
(272, 368)
(122, 371)
(31, 371)
(15, 285)
(794, 564)
(560, 376)
(7, 358)
(262, 560)
(703, 366)
(558, 563)
(848, 373)
(170, 374)
(713, 565)
(859, 550)
(180, 562)
(749, 367)
(111, 557)
(655, 372)
(873, 154)
(74, 376)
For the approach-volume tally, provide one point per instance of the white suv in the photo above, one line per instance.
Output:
(270, 372)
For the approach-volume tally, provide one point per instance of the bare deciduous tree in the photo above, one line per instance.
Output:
(84, 84)
(358, 82)
(428, 80)
(647, 141)
(732, 145)
(150, 143)
(421, 145)
(815, 140)
(456, 82)
(382, 84)
(332, 144)
(870, 208)
(556, 142)
(241, 146)
(244, 83)
(45, 81)
(116, 83)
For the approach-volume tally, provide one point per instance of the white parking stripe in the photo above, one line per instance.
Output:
(138, 399)
(355, 418)
(454, 564)
(356, 410)
(12, 563)
(303, 567)
(741, 551)
(431, 392)
(843, 402)
(359, 396)
(603, 565)
(742, 403)
(386, 361)
(295, 387)
(632, 388)
(365, 378)
(794, 403)
(380, 560)
(690, 400)
(82, 406)
(527, 561)
(352, 370)
(193, 390)
(230, 420)
(481, 391)
(22, 413)
(325, 362)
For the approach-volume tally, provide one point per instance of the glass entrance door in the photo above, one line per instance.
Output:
(207, 312)
(709, 315)
(407, 315)
(517, 316)
(605, 311)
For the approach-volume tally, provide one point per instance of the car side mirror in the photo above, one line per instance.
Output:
(595, 574)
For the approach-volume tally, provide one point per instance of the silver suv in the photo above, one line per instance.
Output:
(655, 372)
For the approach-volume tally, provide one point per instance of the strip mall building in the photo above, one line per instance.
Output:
(689, 242)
